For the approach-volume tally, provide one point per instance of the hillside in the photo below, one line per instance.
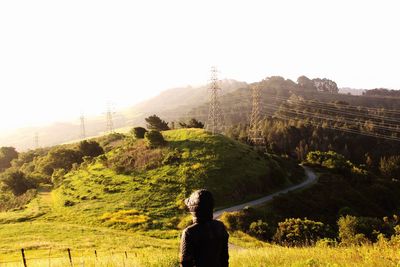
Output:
(148, 192)
(172, 104)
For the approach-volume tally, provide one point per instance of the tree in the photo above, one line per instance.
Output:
(138, 132)
(155, 123)
(90, 148)
(306, 84)
(326, 85)
(7, 154)
(154, 139)
(16, 181)
(193, 123)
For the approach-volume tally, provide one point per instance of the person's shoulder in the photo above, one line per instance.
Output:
(190, 228)
(218, 224)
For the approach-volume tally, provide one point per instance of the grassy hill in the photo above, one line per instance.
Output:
(133, 186)
(151, 196)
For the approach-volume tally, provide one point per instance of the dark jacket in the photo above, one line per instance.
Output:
(205, 243)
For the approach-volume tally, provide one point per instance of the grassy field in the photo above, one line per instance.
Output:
(46, 245)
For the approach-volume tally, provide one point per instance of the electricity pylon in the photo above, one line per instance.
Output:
(109, 118)
(256, 133)
(214, 122)
(83, 128)
(36, 140)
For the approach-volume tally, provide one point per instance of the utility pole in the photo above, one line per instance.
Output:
(214, 123)
(83, 129)
(36, 140)
(256, 133)
(109, 118)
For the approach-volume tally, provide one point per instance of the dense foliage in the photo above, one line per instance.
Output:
(138, 132)
(155, 123)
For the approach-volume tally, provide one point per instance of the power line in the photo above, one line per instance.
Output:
(214, 123)
(329, 117)
(381, 136)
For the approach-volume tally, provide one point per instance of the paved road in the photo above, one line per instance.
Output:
(311, 177)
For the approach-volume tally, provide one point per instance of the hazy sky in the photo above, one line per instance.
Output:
(58, 58)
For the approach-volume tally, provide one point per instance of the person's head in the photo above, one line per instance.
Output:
(201, 203)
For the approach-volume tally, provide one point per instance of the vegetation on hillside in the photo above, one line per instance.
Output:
(140, 183)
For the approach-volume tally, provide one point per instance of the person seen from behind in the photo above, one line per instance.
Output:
(205, 242)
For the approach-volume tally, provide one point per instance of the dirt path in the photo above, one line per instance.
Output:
(311, 177)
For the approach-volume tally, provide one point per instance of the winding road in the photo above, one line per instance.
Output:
(311, 177)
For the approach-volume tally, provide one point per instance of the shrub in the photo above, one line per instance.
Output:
(348, 233)
(59, 158)
(298, 232)
(16, 182)
(135, 157)
(138, 132)
(154, 139)
(260, 229)
(90, 148)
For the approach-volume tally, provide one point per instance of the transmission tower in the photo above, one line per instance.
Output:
(109, 118)
(83, 129)
(256, 135)
(36, 140)
(214, 123)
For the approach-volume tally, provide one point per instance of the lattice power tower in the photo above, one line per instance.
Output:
(256, 133)
(109, 118)
(214, 122)
(83, 128)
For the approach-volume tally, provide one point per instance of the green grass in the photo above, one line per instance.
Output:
(141, 211)
(47, 243)
(95, 195)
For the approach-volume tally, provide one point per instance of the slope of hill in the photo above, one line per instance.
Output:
(148, 192)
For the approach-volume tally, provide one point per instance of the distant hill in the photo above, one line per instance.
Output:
(183, 103)
(174, 104)
(171, 104)
(351, 91)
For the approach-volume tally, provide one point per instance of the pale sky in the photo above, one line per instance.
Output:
(61, 58)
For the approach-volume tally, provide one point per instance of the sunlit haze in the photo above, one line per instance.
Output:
(61, 58)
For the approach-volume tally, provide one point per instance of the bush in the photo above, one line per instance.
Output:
(260, 230)
(234, 220)
(59, 158)
(16, 182)
(138, 132)
(90, 148)
(154, 139)
(135, 157)
(298, 232)
(348, 232)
